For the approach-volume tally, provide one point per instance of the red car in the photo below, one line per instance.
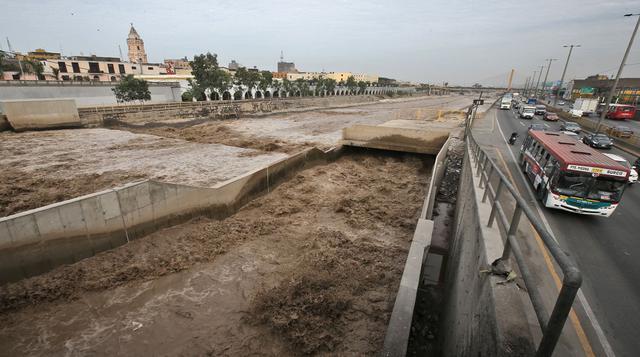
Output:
(621, 112)
(550, 116)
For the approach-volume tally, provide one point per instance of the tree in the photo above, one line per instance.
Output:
(187, 96)
(330, 84)
(287, 86)
(56, 73)
(246, 78)
(352, 85)
(35, 67)
(131, 88)
(207, 74)
(476, 85)
(362, 85)
(302, 86)
(265, 81)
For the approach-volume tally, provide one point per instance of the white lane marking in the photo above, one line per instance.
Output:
(547, 125)
(604, 342)
(521, 123)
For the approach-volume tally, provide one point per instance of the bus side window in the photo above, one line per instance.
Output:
(550, 163)
(539, 155)
(544, 158)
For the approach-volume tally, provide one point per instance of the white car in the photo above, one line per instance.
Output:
(633, 176)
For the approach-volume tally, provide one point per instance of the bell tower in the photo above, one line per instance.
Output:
(137, 53)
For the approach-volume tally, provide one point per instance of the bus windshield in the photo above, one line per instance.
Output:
(586, 186)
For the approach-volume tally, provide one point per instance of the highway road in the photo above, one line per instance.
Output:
(631, 124)
(607, 251)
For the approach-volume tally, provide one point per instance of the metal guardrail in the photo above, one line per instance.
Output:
(551, 325)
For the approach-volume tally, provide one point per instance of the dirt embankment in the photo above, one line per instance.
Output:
(218, 133)
(22, 191)
(311, 268)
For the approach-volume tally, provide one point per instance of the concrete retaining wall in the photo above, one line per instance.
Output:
(84, 93)
(40, 113)
(436, 178)
(39, 240)
(149, 113)
(481, 317)
(395, 138)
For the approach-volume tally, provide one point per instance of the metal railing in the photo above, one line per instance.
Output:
(551, 325)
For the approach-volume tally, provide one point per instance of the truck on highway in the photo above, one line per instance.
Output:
(505, 103)
(570, 176)
(584, 107)
(527, 112)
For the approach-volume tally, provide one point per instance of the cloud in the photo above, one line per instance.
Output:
(458, 41)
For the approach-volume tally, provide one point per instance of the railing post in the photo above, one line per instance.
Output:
(561, 310)
(513, 228)
(486, 184)
(495, 200)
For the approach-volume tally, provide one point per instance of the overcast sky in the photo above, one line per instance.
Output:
(458, 41)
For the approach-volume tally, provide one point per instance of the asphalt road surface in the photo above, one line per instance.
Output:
(607, 251)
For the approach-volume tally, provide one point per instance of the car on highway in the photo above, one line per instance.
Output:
(620, 131)
(550, 116)
(570, 126)
(527, 112)
(537, 127)
(621, 112)
(572, 135)
(561, 102)
(540, 110)
(633, 174)
(598, 141)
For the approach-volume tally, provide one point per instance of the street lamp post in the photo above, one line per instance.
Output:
(535, 93)
(526, 85)
(555, 99)
(547, 74)
(615, 82)
(531, 84)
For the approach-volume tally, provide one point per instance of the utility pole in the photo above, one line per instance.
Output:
(547, 74)
(615, 82)
(526, 87)
(535, 93)
(555, 99)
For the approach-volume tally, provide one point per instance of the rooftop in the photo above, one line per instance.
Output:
(569, 151)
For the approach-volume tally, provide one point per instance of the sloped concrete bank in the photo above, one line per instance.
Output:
(39, 240)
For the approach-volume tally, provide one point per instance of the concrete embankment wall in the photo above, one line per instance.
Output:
(144, 114)
(84, 93)
(39, 240)
(39, 114)
(481, 316)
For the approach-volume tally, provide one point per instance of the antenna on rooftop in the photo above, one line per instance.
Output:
(120, 50)
(281, 55)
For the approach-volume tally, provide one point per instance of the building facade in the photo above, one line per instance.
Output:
(94, 68)
(627, 91)
(137, 53)
(287, 67)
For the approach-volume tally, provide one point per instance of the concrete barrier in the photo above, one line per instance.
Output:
(436, 177)
(39, 240)
(396, 138)
(481, 317)
(29, 114)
